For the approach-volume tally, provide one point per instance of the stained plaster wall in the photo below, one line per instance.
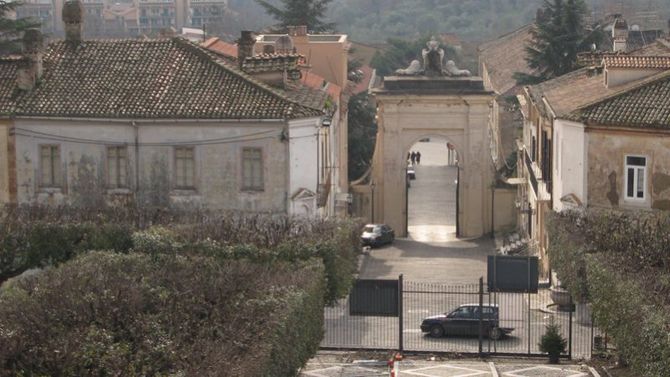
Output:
(569, 167)
(4, 161)
(606, 168)
(218, 165)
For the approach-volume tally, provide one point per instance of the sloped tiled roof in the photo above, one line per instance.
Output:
(8, 89)
(635, 61)
(222, 48)
(660, 47)
(157, 79)
(573, 90)
(646, 105)
(505, 56)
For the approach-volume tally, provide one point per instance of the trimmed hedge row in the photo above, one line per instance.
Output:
(620, 262)
(109, 314)
(36, 245)
(639, 326)
(26, 245)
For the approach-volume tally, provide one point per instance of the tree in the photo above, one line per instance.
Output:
(558, 35)
(10, 30)
(362, 133)
(309, 13)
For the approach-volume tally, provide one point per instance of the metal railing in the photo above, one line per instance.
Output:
(528, 315)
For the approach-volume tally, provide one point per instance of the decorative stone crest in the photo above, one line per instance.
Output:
(433, 58)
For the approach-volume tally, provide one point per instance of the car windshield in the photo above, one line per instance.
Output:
(371, 229)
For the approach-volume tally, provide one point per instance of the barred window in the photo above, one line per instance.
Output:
(184, 168)
(50, 166)
(252, 169)
(117, 167)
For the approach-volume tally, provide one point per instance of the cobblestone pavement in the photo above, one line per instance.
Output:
(319, 367)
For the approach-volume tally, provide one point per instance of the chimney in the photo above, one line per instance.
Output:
(620, 34)
(30, 69)
(73, 17)
(245, 46)
(297, 31)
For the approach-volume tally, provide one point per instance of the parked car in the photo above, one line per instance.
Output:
(377, 234)
(411, 173)
(464, 321)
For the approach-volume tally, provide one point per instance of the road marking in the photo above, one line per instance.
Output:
(494, 371)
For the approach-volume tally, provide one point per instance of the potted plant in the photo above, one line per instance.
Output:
(552, 342)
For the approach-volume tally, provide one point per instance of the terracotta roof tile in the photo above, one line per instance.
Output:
(573, 90)
(158, 79)
(506, 56)
(635, 61)
(220, 47)
(646, 105)
(8, 89)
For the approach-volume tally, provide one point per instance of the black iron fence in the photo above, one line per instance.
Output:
(346, 327)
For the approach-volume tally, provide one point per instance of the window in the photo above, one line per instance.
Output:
(184, 168)
(636, 170)
(117, 158)
(252, 169)
(50, 165)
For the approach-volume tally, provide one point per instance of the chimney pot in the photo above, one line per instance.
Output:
(30, 69)
(73, 17)
(245, 46)
(297, 31)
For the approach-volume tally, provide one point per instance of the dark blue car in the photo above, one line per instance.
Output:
(464, 321)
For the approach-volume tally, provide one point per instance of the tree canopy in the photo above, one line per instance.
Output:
(362, 133)
(558, 35)
(298, 13)
(10, 29)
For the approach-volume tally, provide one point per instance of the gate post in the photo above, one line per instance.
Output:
(570, 329)
(481, 314)
(400, 314)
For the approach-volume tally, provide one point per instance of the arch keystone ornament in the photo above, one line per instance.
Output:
(435, 100)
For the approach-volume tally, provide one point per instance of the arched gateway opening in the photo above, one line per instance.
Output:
(418, 105)
(432, 185)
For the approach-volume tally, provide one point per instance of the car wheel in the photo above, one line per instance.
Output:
(436, 331)
(495, 333)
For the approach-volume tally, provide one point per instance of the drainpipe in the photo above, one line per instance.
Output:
(136, 128)
(493, 206)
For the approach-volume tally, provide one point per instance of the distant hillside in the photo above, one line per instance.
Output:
(473, 20)
(376, 20)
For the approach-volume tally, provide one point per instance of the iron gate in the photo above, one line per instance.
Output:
(527, 313)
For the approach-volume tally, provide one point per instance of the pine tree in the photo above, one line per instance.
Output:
(299, 13)
(558, 35)
(10, 29)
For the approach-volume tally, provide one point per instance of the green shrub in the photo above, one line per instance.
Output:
(552, 342)
(620, 262)
(110, 314)
(35, 245)
(156, 240)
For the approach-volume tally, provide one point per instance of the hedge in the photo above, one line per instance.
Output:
(620, 261)
(26, 245)
(110, 314)
(41, 238)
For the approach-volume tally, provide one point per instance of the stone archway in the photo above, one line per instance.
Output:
(455, 108)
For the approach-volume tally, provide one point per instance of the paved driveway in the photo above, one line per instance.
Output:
(318, 367)
(431, 253)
